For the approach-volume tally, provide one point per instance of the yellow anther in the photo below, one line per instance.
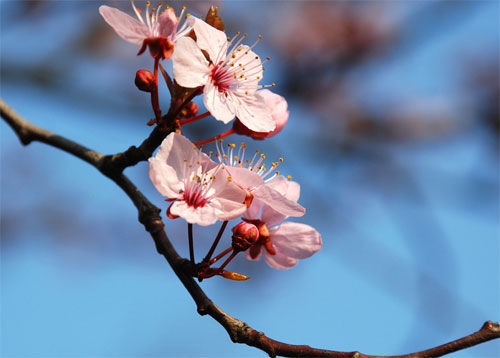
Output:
(153, 9)
(260, 36)
(263, 156)
(256, 57)
(268, 58)
(228, 38)
(239, 64)
(197, 162)
(242, 75)
(185, 160)
(247, 161)
(236, 157)
(233, 55)
(238, 33)
(277, 172)
(273, 84)
(246, 92)
(229, 179)
(263, 68)
(245, 34)
(258, 77)
(239, 48)
(183, 8)
(194, 147)
(257, 151)
(231, 64)
(187, 15)
(281, 160)
(220, 140)
(289, 177)
(224, 156)
(148, 3)
(243, 144)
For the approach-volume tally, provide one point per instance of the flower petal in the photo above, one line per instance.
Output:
(190, 66)
(249, 257)
(164, 178)
(228, 198)
(278, 107)
(124, 25)
(203, 216)
(277, 201)
(244, 177)
(253, 112)
(210, 39)
(246, 58)
(167, 24)
(168, 167)
(296, 240)
(219, 104)
(279, 261)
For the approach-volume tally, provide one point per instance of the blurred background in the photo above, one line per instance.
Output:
(393, 136)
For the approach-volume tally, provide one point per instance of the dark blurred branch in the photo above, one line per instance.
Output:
(238, 331)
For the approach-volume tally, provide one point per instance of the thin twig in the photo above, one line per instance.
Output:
(238, 331)
(216, 241)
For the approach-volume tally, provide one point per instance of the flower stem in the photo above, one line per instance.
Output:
(216, 242)
(192, 119)
(221, 255)
(154, 94)
(209, 140)
(191, 250)
(233, 254)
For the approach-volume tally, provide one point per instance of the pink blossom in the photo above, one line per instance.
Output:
(261, 183)
(283, 244)
(229, 78)
(157, 30)
(200, 190)
(279, 112)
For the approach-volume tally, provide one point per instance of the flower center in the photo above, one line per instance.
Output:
(222, 78)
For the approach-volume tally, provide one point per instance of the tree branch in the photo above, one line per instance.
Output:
(149, 216)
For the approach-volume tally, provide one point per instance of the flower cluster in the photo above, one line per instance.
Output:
(226, 184)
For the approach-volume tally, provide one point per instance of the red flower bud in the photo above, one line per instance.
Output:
(244, 236)
(144, 80)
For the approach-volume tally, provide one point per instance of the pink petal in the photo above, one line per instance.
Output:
(190, 66)
(279, 261)
(228, 198)
(253, 212)
(244, 177)
(124, 25)
(210, 39)
(203, 216)
(167, 168)
(288, 188)
(167, 24)
(277, 201)
(253, 113)
(163, 178)
(250, 60)
(279, 109)
(219, 104)
(296, 240)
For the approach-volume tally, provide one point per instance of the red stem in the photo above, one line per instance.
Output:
(233, 254)
(154, 93)
(216, 241)
(192, 119)
(221, 255)
(209, 140)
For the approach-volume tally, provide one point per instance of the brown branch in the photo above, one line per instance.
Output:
(149, 216)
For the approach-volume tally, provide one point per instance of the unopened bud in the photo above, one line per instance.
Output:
(144, 80)
(244, 236)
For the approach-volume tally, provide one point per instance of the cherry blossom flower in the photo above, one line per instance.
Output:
(283, 244)
(259, 182)
(157, 30)
(200, 189)
(279, 112)
(229, 77)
